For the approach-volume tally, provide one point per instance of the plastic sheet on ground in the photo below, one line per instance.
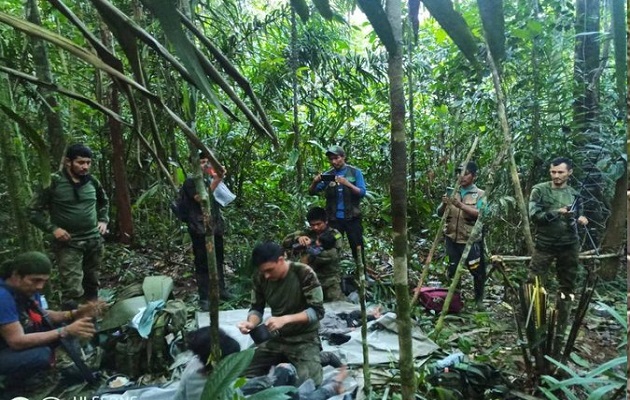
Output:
(382, 336)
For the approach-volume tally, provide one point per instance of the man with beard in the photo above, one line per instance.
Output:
(74, 209)
(555, 212)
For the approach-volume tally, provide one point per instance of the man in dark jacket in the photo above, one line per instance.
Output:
(197, 228)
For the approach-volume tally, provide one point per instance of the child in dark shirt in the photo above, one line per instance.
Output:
(325, 241)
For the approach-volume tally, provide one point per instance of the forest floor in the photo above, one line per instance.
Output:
(489, 336)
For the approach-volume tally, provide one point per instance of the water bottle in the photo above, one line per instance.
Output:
(43, 302)
(453, 359)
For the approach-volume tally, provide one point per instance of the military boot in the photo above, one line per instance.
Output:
(224, 294)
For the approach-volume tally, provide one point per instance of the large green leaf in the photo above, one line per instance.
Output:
(491, 12)
(265, 127)
(219, 383)
(375, 13)
(164, 11)
(456, 27)
(323, 6)
(273, 393)
(301, 8)
(73, 95)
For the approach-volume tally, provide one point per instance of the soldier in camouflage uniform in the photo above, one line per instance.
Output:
(555, 212)
(326, 262)
(295, 297)
(74, 209)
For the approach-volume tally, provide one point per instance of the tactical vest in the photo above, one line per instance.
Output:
(350, 200)
(459, 224)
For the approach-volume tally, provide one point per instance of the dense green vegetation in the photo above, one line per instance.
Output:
(122, 78)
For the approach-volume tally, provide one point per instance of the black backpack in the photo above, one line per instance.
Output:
(180, 206)
(468, 381)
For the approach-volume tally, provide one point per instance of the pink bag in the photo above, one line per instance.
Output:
(433, 299)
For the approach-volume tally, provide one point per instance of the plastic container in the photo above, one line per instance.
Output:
(44, 302)
(451, 360)
(223, 195)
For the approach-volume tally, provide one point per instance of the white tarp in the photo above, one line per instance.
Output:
(382, 335)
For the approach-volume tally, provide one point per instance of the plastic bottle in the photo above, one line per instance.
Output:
(453, 359)
(44, 303)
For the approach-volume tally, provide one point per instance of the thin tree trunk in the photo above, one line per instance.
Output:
(412, 120)
(294, 88)
(398, 192)
(360, 277)
(122, 198)
(56, 138)
(439, 232)
(475, 235)
(536, 131)
(615, 229)
(15, 170)
(507, 137)
(213, 295)
(585, 108)
(206, 209)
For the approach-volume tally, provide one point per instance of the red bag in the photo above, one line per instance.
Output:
(433, 299)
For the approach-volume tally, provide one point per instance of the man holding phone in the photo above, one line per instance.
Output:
(343, 187)
(555, 211)
(462, 211)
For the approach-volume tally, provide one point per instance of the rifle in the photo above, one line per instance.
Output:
(87, 374)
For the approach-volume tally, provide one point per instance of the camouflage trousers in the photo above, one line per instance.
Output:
(78, 263)
(331, 286)
(301, 351)
(566, 258)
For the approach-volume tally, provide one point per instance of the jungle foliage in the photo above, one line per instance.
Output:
(267, 93)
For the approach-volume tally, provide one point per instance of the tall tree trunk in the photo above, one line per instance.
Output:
(294, 89)
(398, 192)
(536, 131)
(412, 120)
(56, 138)
(15, 170)
(585, 110)
(614, 237)
(122, 198)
